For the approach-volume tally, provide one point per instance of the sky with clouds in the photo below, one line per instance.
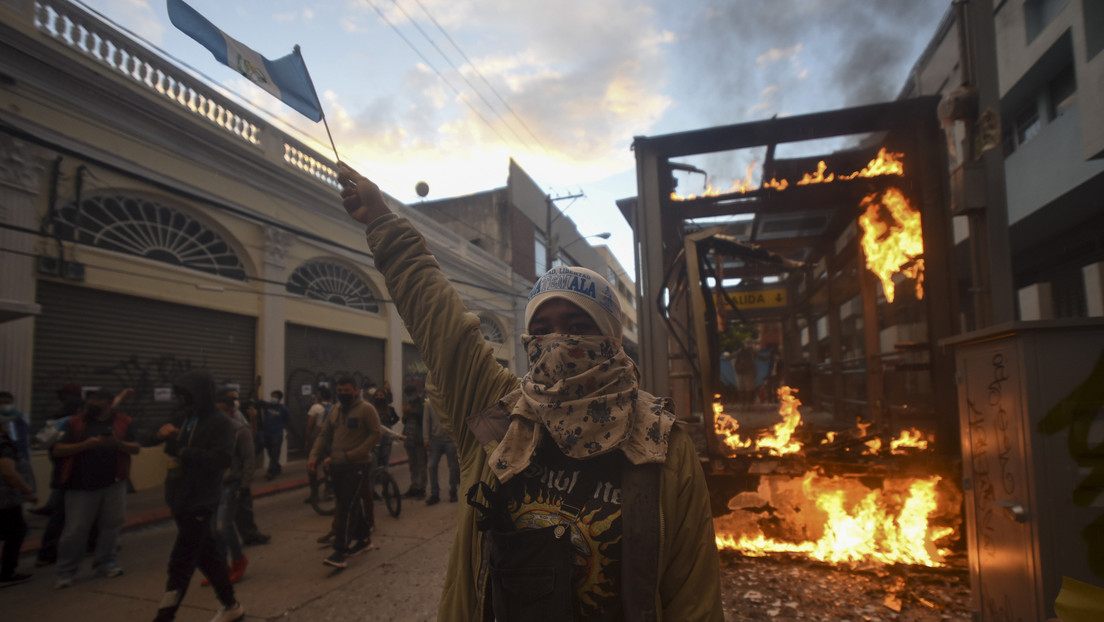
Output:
(446, 91)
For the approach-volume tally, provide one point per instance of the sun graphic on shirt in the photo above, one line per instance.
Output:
(592, 540)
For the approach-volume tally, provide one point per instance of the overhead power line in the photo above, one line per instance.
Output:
(429, 64)
(478, 73)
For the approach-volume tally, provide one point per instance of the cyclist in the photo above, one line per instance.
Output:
(346, 440)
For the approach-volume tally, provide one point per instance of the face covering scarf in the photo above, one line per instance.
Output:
(582, 391)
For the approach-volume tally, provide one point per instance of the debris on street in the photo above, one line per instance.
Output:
(782, 588)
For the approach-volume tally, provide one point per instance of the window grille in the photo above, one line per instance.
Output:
(332, 283)
(491, 330)
(145, 228)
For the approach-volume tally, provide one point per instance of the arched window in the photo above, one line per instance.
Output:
(145, 228)
(333, 283)
(491, 329)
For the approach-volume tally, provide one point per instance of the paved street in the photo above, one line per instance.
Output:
(400, 580)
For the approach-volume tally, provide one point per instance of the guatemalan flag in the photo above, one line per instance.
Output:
(286, 77)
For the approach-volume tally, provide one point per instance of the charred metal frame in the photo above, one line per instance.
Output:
(908, 126)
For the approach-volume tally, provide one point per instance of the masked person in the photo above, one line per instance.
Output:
(93, 466)
(585, 501)
(344, 446)
(199, 442)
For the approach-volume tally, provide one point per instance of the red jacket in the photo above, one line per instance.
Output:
(77, 425)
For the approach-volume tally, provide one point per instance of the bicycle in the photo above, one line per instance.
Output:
(383, 487)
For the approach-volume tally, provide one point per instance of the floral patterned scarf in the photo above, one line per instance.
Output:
(582, 391)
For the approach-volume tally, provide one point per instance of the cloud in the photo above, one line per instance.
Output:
(774, 55)
(294, 16)
(570, 83)
(136, 15)
(859, 53)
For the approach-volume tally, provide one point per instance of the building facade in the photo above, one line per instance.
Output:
(1049, 130)
(150, 226)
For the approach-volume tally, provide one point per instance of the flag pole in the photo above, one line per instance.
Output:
(310, 81)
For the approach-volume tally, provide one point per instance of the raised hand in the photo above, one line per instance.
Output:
(360, 196)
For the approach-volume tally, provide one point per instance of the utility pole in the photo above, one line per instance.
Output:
(980, 176)
(550, 246)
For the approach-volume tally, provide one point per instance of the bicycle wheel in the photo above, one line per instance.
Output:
(384, 485)
(325, 503)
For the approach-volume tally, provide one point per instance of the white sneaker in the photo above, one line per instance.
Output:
(232, 613)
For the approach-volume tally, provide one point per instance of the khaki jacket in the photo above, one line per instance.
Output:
(468, 380)
(348, 435)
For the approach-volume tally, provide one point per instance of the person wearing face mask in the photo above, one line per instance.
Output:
(15, 490)
(388, 417)
(199, 442)
(585, 500)
(19, 428)
(344, 446)
(93, 466)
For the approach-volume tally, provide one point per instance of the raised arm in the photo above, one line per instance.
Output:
(446, 333)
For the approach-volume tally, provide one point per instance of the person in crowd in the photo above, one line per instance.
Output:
(439, 443)
(93, 468)
(744, 363)
(199, 442)
(71, 403)
(238, 476)
(15, 490)
(572, 468)
(274, 420)
(413, 413)
(70, 399)
(344, 446)
(20, 428)
(316, 416)
(381, 399)
(244, 518)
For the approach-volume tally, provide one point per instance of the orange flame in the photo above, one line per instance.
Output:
(909, 438)
(726, 426)
(818, 177)
(848, 523)
(778, 441)
(893, 245)
(885, 163)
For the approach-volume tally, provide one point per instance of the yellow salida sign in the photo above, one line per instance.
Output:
(759, 299)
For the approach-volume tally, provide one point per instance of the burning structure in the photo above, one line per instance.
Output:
(894, 439)
(823, 256)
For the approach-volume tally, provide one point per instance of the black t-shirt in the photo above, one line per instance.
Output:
(94, 468)
(535, 497)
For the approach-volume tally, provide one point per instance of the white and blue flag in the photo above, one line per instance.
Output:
(286, 78)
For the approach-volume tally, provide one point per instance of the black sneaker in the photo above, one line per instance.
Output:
(259, 538)
(327, 538)
(13, 579)
(433, 500)
(336, 560)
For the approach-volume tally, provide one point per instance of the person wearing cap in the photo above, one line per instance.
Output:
(93, 466)
(572, 461)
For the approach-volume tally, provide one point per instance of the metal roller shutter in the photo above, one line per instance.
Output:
(97, 338)
(313, 355)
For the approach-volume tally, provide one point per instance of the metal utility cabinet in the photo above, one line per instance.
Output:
(1030, 414)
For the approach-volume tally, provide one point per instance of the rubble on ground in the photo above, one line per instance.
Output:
(783, 588)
